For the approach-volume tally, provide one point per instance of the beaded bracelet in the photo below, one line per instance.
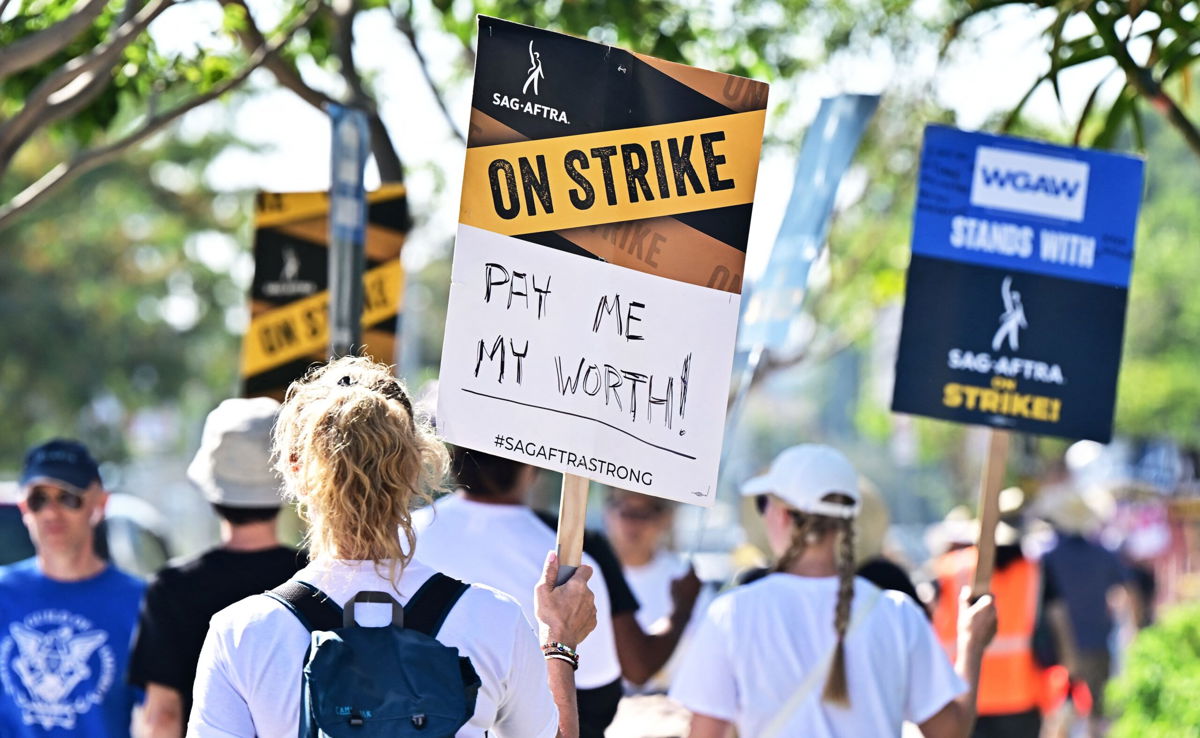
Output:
(563, 657)
(561, 648)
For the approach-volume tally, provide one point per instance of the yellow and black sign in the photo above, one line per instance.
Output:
(613, 155)
(289, 298)
(612, 176)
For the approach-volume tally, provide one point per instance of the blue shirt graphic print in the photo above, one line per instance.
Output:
(64, 649)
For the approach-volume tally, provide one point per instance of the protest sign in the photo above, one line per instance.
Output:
(1015, 304)
(597, 270)
(289, 297)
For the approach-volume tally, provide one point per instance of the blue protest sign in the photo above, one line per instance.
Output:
(1011, 203)
(1015, 303)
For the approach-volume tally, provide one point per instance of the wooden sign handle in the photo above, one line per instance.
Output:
(572, 517)
(989, 510)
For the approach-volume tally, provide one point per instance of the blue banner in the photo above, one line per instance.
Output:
(770, 310)
(1015, 204)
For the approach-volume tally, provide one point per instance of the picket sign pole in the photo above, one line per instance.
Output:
(572, 516)
(989, 510)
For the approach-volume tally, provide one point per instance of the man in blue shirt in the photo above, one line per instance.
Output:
(66, 615)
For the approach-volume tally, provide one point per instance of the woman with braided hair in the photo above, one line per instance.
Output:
(811, 650)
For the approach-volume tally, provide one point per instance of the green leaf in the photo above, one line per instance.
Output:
(1120, 109)
(1087, 108)
(233, 19)
(1014, 115)
(1139, 130)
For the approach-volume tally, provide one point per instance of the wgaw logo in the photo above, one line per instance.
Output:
(533, 75)
(55, 666)
(1029, 183)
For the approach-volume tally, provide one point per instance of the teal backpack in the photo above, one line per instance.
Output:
(395, 681)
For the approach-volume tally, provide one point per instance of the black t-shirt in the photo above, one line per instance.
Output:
(598, 707)
(181, 600)
(888, 575)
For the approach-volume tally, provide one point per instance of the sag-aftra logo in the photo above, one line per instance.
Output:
(1029, 183)
(533, 75)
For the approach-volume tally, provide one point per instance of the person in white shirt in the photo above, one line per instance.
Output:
(638, 527)
(353, 456)
(487, 533)
(810, 650)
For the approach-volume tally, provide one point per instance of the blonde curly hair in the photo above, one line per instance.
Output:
(355, 459)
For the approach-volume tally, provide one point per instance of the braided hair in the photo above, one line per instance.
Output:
(808, 529)
(836, 689)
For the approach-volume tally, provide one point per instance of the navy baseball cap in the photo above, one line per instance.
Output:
(60, 461)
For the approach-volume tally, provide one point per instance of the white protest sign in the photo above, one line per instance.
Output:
(585, 367)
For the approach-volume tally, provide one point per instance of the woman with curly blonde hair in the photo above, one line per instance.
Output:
(811, 650)
(356, 460)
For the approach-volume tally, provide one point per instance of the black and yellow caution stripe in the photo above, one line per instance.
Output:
(701, 240)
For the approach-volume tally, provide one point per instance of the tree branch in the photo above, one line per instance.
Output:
(53, 94)
(87, 88)
(38, 47)
(391, 169)
(98, 156)
(404, 24)
(283, 71)
(1143, 81)
(343, 45)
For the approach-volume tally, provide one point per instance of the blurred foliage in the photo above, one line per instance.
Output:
(1155, 45)
(1155, 694)
(86, 290)
(1159, 389)
(143, 78)
(766, 39)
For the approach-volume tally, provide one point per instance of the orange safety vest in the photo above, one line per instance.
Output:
(1010, 679)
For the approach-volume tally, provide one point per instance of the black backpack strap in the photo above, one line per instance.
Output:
(428, 608)
(311, 606)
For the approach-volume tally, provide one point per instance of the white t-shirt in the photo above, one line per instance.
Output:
(757, 643)
(505, 546)
(651, 585)
(248, 678)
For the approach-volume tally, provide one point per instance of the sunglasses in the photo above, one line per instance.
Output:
(761, 502)
(640, 514)
(40, 497)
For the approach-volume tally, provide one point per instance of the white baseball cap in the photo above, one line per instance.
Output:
(802, 475)
(232, 467)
